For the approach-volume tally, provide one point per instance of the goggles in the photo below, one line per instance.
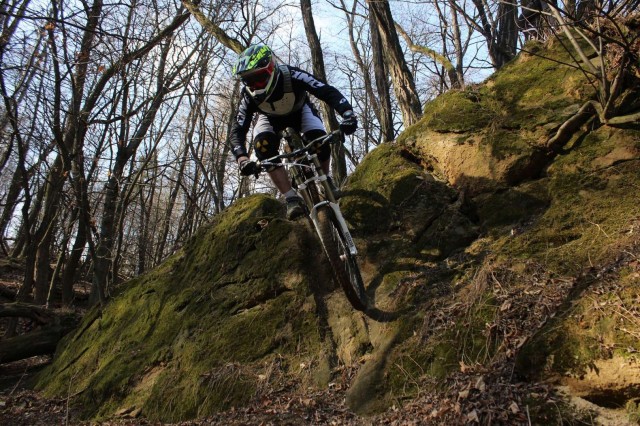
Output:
(258, 79)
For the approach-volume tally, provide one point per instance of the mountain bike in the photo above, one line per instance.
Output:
(322, 209)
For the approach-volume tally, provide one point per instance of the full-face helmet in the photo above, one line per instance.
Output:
(256, 67)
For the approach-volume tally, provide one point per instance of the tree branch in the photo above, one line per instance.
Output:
(443, 60)
(212, 28)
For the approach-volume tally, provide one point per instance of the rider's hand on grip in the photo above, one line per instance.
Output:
(248, 168)
(349, 123)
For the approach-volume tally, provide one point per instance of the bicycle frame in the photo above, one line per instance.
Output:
(322, 209)
(305, 181)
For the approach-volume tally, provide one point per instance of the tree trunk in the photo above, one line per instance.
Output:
(71, 267)
(366, 75)
(382, 83)
(11, 201)
(457, 44)
(39, 342)
(339, 157)
(44, 234)
(168, 211)
(403, 84)
(30, 212)
(502, 35)
(147, 200)
(507, 34)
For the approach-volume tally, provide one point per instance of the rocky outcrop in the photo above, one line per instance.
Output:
(493, 265)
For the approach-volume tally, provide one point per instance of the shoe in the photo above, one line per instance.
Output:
(337, 194)
(295, 208)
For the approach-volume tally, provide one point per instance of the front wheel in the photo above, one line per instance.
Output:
(344, 264)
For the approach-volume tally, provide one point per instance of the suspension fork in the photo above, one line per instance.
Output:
(291, 142)
(321, 177)
(298, 175)
(341, 222)
(330, 201)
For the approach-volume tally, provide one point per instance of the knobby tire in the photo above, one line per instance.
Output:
(343, 263)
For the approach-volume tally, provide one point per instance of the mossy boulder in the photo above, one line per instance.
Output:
(548, 227)
(493, 135)
(201, 332)
(392, 196)
(249, 302)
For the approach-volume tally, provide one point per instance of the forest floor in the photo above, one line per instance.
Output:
(471, 397)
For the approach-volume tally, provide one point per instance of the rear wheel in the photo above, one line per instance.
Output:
(344, 264)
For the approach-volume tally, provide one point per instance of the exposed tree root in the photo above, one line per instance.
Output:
(589, 109)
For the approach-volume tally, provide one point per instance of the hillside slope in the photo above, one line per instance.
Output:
(500, 273)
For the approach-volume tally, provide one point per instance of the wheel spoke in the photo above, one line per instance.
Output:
(343, 263)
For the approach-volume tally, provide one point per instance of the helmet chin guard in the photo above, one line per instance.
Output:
(261, 95)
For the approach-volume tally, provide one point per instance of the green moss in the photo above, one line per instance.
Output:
(511, 206)
(457, 111)
(187, 338)
(591, 328)
(633, 410)
(587, 206)
(407, 369)
(543, 410)
(526, 94)
(466, 342)
(384, 179)
(559, 351)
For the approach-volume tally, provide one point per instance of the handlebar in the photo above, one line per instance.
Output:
(332, 137)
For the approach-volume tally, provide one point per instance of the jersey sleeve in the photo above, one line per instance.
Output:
(321, 90)
(240, 126)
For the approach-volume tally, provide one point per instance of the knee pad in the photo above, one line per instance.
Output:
(266, 145)
(324, 152)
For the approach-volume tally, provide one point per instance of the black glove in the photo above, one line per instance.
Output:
(248, 168)
(349, 123)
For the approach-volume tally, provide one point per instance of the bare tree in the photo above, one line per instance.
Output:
(498, 24)
(385, 115)
(164, 85)
(451, 70)
(339, 165)
(403, 83)
(377, 103)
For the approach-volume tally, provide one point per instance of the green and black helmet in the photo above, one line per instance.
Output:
(256, 67)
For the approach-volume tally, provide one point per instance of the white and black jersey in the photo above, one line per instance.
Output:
(289, 96)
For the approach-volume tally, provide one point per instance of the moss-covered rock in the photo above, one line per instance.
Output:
(492, 135)
(481, 256)
(195, 335)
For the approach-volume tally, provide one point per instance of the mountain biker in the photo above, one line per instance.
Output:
(279, 95)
